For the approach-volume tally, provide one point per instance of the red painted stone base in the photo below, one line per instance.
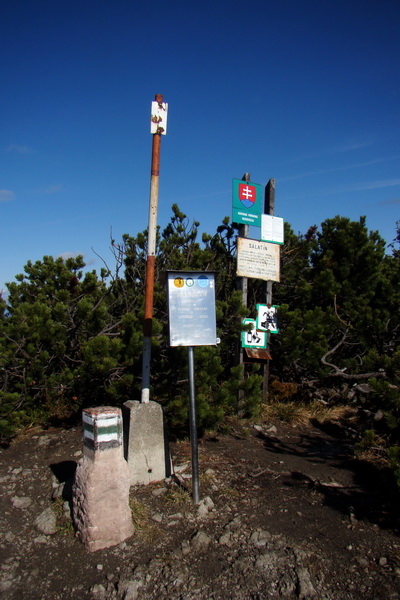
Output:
(101, 510)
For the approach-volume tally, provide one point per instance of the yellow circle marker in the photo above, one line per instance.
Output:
(178, 282)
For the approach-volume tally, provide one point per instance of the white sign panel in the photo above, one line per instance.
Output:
(272, 229)
(159, 113)
(260, 260)
(191, 308)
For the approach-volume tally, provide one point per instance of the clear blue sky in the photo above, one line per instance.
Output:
(304, 91)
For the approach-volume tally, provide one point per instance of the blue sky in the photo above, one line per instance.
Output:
(302, 91)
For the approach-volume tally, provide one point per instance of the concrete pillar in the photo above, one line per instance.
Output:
(144, 438)
(100, 500)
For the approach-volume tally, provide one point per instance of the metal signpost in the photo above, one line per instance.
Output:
(192, 322)
(158, 127)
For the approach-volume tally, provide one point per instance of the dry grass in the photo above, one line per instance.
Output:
(299, 413)
(64, 524)
(141, 520)
(178, 495)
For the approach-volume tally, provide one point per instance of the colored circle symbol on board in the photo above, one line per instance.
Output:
(190, 282)
(203, 281)
(178, 282)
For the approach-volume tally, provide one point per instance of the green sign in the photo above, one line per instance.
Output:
(247, 200)
(253, 338)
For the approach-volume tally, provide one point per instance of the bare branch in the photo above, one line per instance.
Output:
(341, 372)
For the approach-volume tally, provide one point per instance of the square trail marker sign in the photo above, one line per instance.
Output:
(267, 318)
(247, 199)
(253, 338)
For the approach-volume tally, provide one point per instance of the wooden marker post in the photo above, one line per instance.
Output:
(269, 209)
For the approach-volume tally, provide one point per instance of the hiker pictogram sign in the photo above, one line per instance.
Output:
(267, 318)
(251, 338)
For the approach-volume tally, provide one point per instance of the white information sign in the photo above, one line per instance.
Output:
(272, 229)
(191, 308)
(260, 260)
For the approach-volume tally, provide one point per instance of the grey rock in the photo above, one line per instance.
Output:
(176, 516)
(181, 468)
(305, 587)
(185, 547)
(226, 539)
(57, 491)
(157, 517)
(287, 585)
(128, 589)
(46, 522)
(204, 507)
(40, 539)
(6, 585)
(44, 440)
(272, 429)
(159, 491)
(234, 524)
(268, 561)
(260, 538)
(98, 591)
(362, 561)
(200, 541)
(21, 502)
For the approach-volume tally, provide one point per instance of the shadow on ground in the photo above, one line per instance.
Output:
(371, 493)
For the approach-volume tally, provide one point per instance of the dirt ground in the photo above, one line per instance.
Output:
(286, 512)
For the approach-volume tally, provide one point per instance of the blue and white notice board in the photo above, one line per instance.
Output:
(191, 308)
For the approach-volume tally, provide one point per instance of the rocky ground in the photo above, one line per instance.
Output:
(286, 512)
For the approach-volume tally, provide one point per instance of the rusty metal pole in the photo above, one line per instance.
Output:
(158, 120)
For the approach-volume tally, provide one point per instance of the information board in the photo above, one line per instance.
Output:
(191, 308)
(272, 229)
(260, 260)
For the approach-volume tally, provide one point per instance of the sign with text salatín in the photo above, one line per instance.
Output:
(247, 201)
(259, 260)
(191, 308)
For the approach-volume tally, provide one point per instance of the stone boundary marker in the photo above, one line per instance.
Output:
(100, 500)
(101, 429)
(145, 442)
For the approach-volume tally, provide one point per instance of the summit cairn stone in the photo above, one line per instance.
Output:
(100, 500)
